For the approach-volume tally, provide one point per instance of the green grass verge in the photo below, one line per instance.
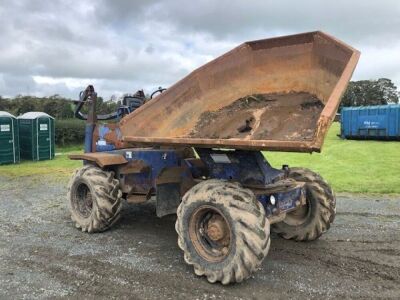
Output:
(60, 166)
(349, 166)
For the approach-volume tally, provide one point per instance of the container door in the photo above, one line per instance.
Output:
(43, 138)
(7, 143)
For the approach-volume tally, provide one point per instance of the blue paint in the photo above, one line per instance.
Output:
(104, 148)
(157, 159)
(285, 201)
(371, 122)
(246, 167)
(101, 144)
(249, 168)
(88, 137)
(103, 130)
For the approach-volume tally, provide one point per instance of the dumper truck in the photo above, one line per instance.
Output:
(196, 150)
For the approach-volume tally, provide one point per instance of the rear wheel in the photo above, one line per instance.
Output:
(309, 221)
(222, 231)
(94, 199)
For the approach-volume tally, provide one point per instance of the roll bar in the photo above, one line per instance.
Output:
(90, 96)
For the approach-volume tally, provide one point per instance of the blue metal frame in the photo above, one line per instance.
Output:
(88, 137)
(249, 168)
(157, 159)
(284, 201)
(246, 167)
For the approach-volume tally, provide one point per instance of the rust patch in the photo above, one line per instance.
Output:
(140, 198)
(136, 198)
(112, 137)
(101, 159)
(176, 175)
(322, 129)
(134, 167)
(170, 175)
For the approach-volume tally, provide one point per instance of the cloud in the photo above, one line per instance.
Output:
(356, 20)
(121, 46)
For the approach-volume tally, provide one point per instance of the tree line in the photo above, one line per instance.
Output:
(359, 93)
(67, 129)
(56, 106)
(370, 92)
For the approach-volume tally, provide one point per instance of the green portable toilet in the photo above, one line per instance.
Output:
(9, 143)
(36, 136)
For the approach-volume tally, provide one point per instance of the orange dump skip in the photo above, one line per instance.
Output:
(277, 94)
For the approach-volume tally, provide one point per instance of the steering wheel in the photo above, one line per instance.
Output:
(159, 90)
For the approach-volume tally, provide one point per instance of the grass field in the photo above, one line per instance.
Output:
(349, 166)
(61, 166)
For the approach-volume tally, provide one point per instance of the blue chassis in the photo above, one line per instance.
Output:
(249, 168)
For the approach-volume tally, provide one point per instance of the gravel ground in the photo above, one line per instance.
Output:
(42, 255)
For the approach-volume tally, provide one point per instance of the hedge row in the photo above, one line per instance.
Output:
(70, 132)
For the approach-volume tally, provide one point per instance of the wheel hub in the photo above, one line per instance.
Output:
(210, 233)
(216, 228)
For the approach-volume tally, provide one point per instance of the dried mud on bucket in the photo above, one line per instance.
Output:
(275, 116)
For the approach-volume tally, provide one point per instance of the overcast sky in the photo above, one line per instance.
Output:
(58, 47)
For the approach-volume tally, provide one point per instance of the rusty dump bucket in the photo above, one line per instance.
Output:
(275, 94)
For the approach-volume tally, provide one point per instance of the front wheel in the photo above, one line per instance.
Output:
(94, 199)
(222, 231)
(311, 220)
